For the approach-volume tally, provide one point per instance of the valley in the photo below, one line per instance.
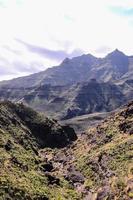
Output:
(66, 133)
(42, 160)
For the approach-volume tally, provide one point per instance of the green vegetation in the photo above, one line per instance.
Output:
(109, 160)
(20, 173)
(98, 165)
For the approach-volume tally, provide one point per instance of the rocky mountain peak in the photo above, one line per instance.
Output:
(65, 61)
(83, 58)
(119, 62)
(116, 53)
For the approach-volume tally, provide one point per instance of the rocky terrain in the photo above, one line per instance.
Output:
(40, 159)
(78, 86)
(23, 172)
(64, 102)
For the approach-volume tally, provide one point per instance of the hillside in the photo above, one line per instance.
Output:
(64, 102)
(101, 163)
(23, 132)
(105, 158)
(98, 165)
(85, 98)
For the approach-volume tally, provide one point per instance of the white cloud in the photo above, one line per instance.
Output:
(61, 25)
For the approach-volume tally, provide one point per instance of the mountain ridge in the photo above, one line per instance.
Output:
(81, 68)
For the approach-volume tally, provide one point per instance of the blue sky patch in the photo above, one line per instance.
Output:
(122, 11)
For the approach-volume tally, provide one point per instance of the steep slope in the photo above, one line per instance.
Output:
(68, 72)
(48, 133)
(113, 67)
(65, 102)
(97, 166)
(106, 157)
(22, 172)
(101, 164)
(127, 88)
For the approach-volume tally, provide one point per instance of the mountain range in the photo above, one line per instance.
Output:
(113, 67)
(78, 86)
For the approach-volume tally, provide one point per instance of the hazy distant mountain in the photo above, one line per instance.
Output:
(65, 102)
(113, 67)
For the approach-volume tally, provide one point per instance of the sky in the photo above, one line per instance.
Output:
(37, 34)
